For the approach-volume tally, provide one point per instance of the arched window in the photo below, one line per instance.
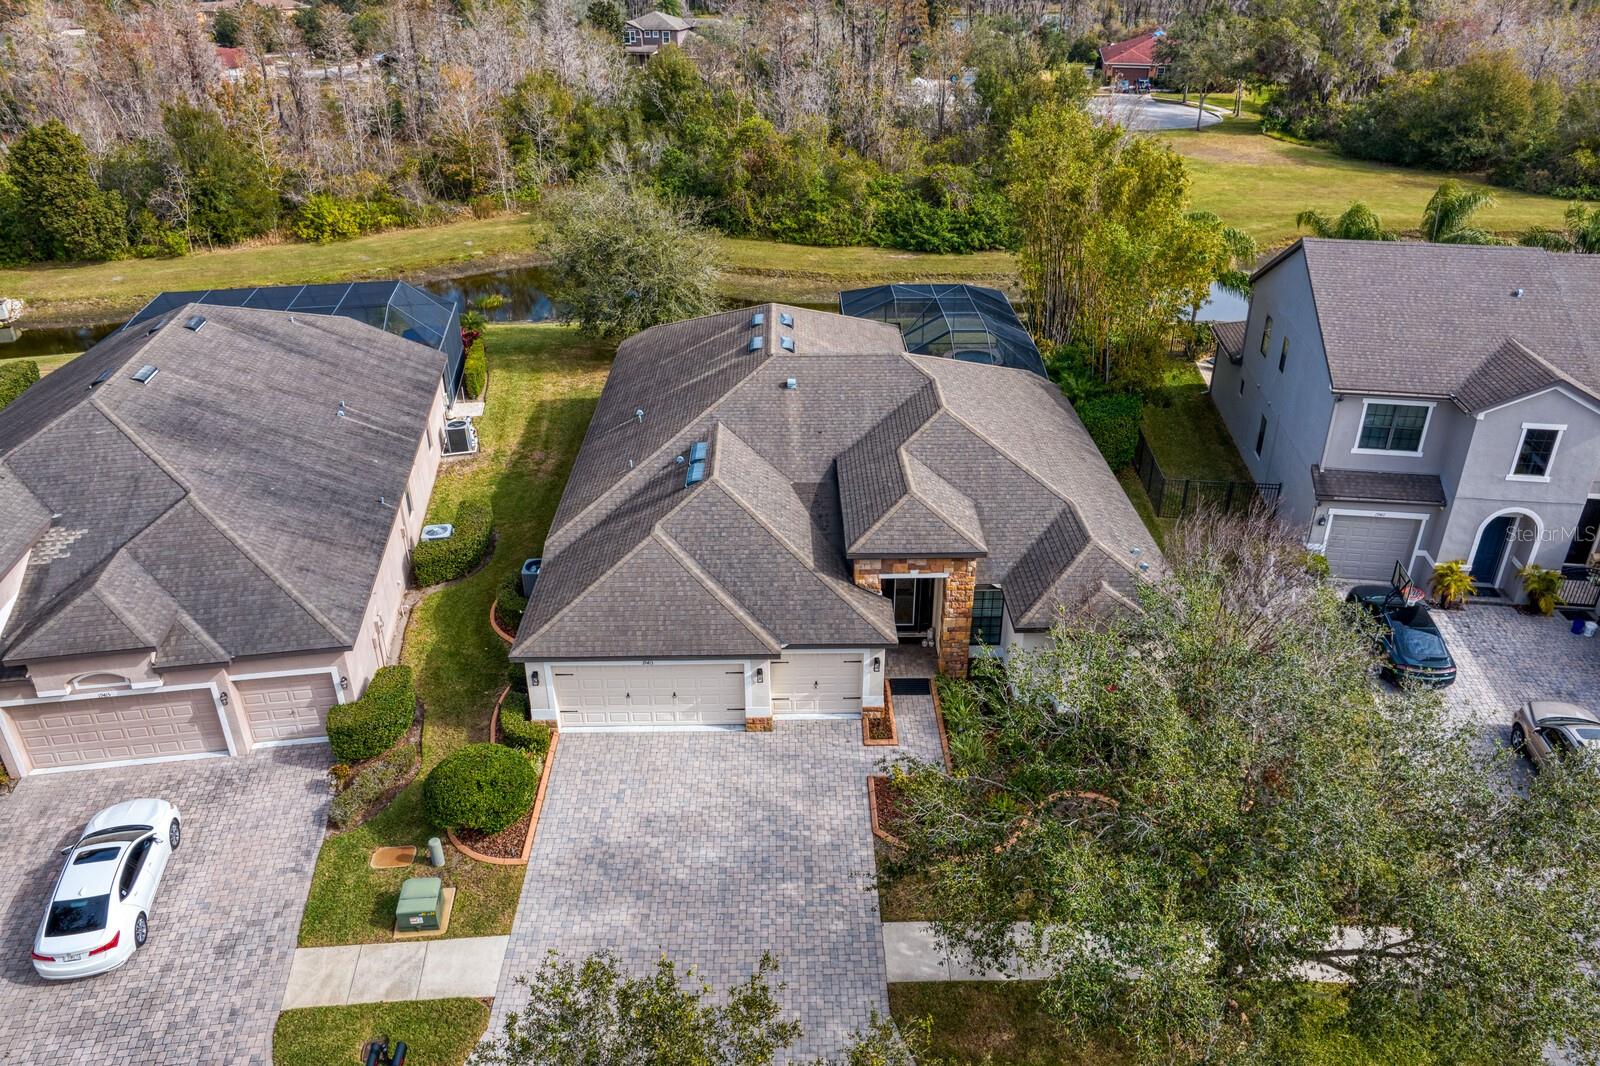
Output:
(89, 682)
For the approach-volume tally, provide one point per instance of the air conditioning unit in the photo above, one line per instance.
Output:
(460, 438)
(442, 531)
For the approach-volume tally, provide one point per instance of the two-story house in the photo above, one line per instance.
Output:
(646, 35)
(1423, 402)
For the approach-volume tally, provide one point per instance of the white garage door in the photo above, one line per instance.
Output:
(662, 694)
(116, 728)
(816, 683)
(287, 708)
(1365, 547)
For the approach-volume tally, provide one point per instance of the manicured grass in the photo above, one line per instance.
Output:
(47, 363)
(543, 383)
(1128, 478)
(93, 291)
(438, 1032)
(765, 270)
(1001, 1023)
(1259, 183)
(1185, 432)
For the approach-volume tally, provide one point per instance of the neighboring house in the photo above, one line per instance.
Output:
(646, 35)
(1133, 59)
(206, 10)
(767, 500)
(207, 525)
(395, 306)
(1423, 402)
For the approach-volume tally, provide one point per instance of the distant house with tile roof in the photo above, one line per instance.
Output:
(768, 500)
(205, 523)
(1133, 60)
(1423, 402)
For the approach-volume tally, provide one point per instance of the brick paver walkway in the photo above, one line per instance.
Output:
(206, 987)
(713, 848)
(1504, 657)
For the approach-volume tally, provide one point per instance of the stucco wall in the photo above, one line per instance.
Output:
(1296, 401)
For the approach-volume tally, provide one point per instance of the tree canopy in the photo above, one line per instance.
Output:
(1196, 807)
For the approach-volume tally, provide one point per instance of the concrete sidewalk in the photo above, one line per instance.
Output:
(912, 954)
(375, 973)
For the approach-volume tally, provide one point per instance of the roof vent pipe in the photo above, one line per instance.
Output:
(1516, 293)
(638, 415)
(791, 383)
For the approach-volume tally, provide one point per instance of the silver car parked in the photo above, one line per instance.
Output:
(1548, 729)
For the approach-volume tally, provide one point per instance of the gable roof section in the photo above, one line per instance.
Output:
(1407, 318)
(26, 519)
(873, 448)
(1135, 51)
(659, 20)
(238, 503)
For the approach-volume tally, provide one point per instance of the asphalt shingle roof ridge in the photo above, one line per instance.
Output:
(221, 527)
(720, 594)
(905, 475)
(828, 579)
(914, 483)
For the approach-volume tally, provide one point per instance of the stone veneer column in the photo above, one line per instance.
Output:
(954, 624)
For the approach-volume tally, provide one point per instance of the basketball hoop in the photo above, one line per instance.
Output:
(1410, 595)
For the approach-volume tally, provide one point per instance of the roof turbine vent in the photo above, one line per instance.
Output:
(791, 384)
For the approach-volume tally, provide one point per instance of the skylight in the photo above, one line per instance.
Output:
(697, 474)
(144, 374)
(104, 376)
(787, 342)
(697, 453)
(755, 344)
(786, 319)
(757, 319)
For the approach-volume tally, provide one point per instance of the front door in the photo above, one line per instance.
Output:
(913, 603)
(1583, 543)
(1491, 550)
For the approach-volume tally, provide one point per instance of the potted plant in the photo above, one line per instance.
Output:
(1453, 583)
(1542, 587)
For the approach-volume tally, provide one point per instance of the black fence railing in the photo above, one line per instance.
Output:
(1174, 497)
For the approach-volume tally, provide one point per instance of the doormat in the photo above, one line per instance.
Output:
(393, 858)
(910, 686)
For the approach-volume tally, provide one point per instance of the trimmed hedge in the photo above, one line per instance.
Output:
(484, 787)
(509, 603)
(1113, 422)
(436, 561)
(15, 377)
(370, 726)
(518, 731)
(517, 676)
(475, 371)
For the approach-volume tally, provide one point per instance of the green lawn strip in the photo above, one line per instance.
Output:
(437, 1032)
(1259, 183)
(111, 290)
(46, 363)
(1186, 433)
(1158, 527)
(1001, 1023)
(543, 384)
(766, 270)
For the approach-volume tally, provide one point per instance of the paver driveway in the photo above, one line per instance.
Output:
(713, 848)
(1504, 657)
(206, 987)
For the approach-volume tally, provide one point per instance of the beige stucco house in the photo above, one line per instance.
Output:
(206, 526)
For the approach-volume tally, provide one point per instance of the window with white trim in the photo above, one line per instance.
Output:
(1393, 427)
(1536, 450)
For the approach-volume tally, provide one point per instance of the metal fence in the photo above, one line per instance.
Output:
(1174, 497)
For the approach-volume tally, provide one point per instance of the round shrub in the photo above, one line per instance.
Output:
(436, 561)
(518, 731)
(370, 725)
(509, 603)
(484, 787)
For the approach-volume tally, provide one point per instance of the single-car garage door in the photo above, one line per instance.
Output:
(682, 694)
(1365, 547)
(115, 728)
(816, 683)
(287, 708)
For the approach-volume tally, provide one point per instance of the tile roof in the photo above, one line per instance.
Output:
(873, 452)
(1377, 486)
(1135, 51)
(228, 507)
(1417, 319)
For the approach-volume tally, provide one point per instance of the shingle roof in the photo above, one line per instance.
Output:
(1229, 337)
(229, 506)
(1421, 319)
(26, 519)
(873, 452)
(1377, 486)
(659, 20)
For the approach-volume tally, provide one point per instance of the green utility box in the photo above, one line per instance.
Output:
(420, 901)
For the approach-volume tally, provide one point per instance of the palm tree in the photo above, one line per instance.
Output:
(1448, 217)
(1358, 223)
(1581, 233)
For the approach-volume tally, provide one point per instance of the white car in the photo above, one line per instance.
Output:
(99, 911)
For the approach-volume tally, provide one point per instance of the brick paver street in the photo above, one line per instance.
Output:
(713, 848)
(206, 987)
(1504, 657)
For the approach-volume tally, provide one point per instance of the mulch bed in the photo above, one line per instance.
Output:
(885, 806)
(879, 726)
(506, 844)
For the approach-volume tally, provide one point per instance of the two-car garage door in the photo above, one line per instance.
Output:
(117, 728)
(1365, 547)
(657, 694)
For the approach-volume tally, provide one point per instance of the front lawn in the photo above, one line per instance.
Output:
(438, 1032)
(543, 384)
(1001, 1023)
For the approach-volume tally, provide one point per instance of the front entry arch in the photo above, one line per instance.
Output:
(1496, 538)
